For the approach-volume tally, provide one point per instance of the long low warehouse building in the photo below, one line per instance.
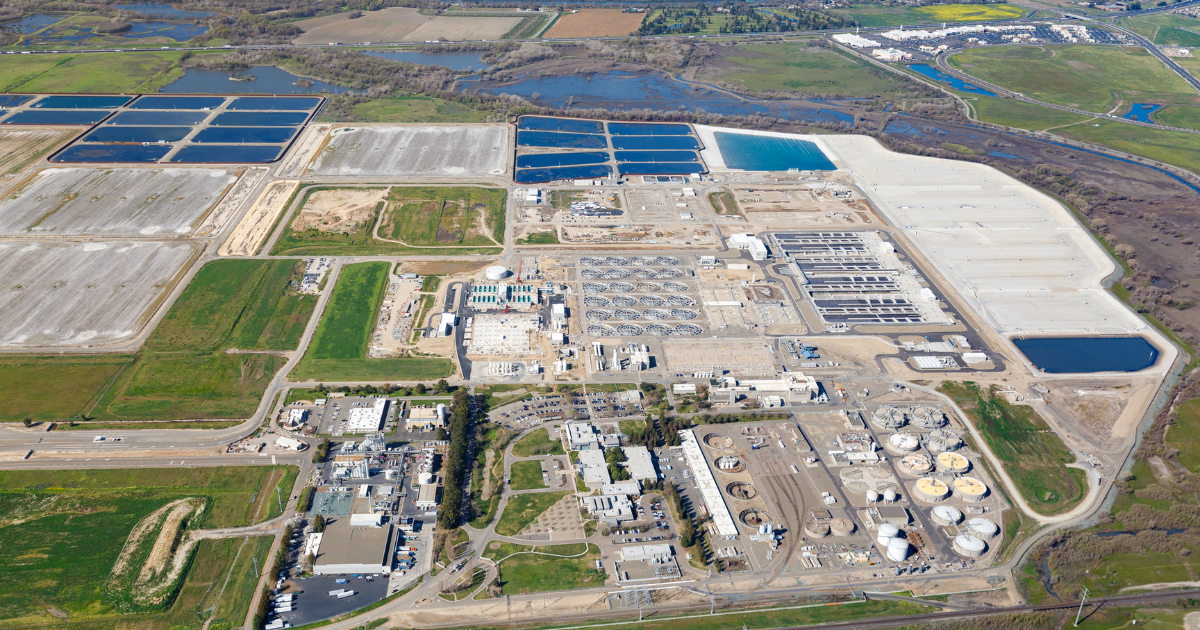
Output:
(707, 484)
(346, 548)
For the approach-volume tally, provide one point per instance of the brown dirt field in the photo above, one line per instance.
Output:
(386, 25)
(449, 268)
(20, 148)
(232, 201)
(343, 210)
(460, 28)
(253, 228)
(160, 554)
(596, 23)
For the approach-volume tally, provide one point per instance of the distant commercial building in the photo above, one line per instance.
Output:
(426, 418)
(751, 243)
(346, 549)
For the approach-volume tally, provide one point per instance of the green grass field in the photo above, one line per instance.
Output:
(1033, 455)
(537, 573)
(1094, 78)
(799, 68)
(875, 15)
(526, 476)
(1185, 435)
(128, 72)
(445, 215)
(523, 509)
(339, 346)
(64, 530)
(182, 371)
(1013, 113)
(540, 238)
(413, 109)
(1166, 29)
(1179, 116)
(537, 443)
(1173, 147)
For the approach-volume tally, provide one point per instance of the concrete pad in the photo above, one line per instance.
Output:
(418, 150)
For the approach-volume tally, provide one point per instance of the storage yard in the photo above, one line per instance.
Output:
(413, 151)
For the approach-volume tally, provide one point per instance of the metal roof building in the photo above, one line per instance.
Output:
(707, 484)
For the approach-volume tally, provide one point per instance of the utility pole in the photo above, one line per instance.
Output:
(1085, 594)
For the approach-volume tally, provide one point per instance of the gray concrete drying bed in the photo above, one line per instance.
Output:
(435, 150)
(71, 294)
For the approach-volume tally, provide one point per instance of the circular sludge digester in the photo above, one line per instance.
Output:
(902, 442)
(968, 546)
(945, 515)
(841, 526)
(983, 528)
(916, 464)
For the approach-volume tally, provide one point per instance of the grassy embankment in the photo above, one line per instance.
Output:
(183, 370)
(548, 568)
(338, 351)
(872, 15)
(493, 438)
(127, 72)
(537, 443)
(413, 109)
(797, 67)
(71, 526)
(1033, 456)
(526, 476)
(1166, 29)
(523, 509)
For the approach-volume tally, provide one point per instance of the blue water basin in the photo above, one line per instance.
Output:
(267, 80)
(31, 23)
(542, 160)
(1001, 154)
(467, 61)
(654, 143)
(112, 153)
(177, 32)
(245, 135)
(57, 117)
(657, 156)
(177, 102)
(559, 140)
(953, 81)
(260, 119)
(13, 100)
(535, 175)
(542, 123)
(660, 168)
(137, 134)
(151, 118)
(81, 102)
(1142, 111)
(227, 154)
(1071, 355)
(648, 129)
(769, 153)
(271, 103)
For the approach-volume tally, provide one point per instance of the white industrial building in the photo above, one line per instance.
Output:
(652, 553)
(367, 419)
(749, 242)
(426, 418)
(582, 436)
(427, 496)
(345, 548)
(593, 468)
(622, 488)
(612, 510)
(639, 463)
(295, 417)
(890, 55)
(854, 41)
(790, 387)
(707, 484)
(290, 443)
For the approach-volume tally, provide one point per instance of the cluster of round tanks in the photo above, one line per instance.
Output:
(953, 463)
(945, 515)
(902, 442)
(968, 546)
(892, 541)
(970, 489)
(927, 417)
(921, 416)
(943, 441)
(888, 417)
(931, 490)
(888, 496)
(916, 464)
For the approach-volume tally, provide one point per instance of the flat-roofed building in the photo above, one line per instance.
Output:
(639, 463)
(367, 419)
(426, 418)
(346, 549)
(427, 496)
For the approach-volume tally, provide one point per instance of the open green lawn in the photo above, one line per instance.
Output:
(537, 443)
(339, 346)
(797, 67)
(64, 529)
(1166, 29)
(1186, 117)
(1013, 113)
(526, 476)
(536, 573)
(1087, 77)
(127, 72)
(183, 370)
(445, 215)
(1173, 147)
(1185, 435)
(875, 15)
(523, 509)
(413, 109)
(220, 585)
(1033, 455)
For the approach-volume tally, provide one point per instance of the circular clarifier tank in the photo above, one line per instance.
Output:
(931, 490)
(953, 463)
(946, 515)
(969, 546)
(902, 442)
(916, 464)
(983, 528)
(970, 489)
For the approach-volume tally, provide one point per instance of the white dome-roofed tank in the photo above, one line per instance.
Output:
(902, 443)
(946, 515)
(943, 441)
(970, 489)
(927, 417)
(897, 550)
(968, 546)
(983, 528)
(890, 496)
(886, 532)
(496, 272)
(953, 463)
(931, 490)
(916, 464)
(888, 417)
(872, 496)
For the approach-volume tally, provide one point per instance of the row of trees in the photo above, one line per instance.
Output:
(457, 462)
(387, 389)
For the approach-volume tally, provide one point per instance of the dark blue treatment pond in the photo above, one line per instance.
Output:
(81, 102)
(245, 135)
(953, 81)
(769, 153)
(274, 103)
(541, 123)
(177, 102)
(227, 154)
(657, 156)
(535, 175)
(468, 61)
(1071, 355)
(655, 143)
(113, 153)
(256, 80)
(137, 134)
(1142, 111)
(260, 119)
(152, 118)
(57, 117)
(660, 168)
(559, 140)
(648, 129)
(540, 160)
(12, 100)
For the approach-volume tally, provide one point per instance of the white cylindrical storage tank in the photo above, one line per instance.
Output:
(897, 550)
(968, 546)
(946, 515)
(890, 495)
(902, 443)
(841, 526)
(762, 529)
(389, 474)
(425, 478)
(982, 528)
(953, 463)
(916, 464)
(931, 490)
(970, 489)
(872, 496)
(496, 272)
(886, 532)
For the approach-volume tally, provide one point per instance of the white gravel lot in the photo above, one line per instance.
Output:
(435, 150)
